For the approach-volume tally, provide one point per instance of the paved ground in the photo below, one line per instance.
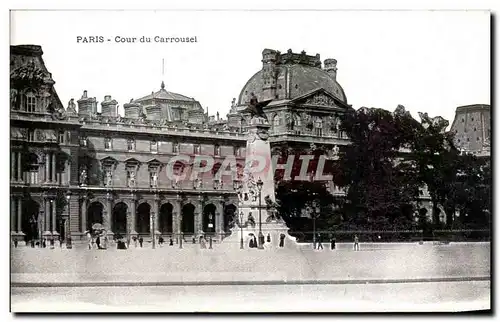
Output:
(403, 261)
(409, 297)
(454, 276)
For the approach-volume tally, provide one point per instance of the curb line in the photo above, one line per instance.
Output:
(270, 282)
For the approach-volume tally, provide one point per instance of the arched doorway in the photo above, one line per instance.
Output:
(143, 220)
(166, 218)
(187, 221)
(94, 214)
(29, 225)
(229, 213)
(209, 218)
(119, 223)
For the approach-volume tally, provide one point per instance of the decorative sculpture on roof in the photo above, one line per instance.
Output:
(71, 106)
(254, 108)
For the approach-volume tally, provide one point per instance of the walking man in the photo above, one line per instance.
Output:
(332, 241)
(141, 240)
(320, 245)
(356, 242)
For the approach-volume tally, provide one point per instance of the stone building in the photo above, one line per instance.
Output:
(472, 129)
(74, 167)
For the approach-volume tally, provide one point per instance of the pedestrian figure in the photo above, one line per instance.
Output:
(332, 241)
(32, 243)
(203, 244)
(60, 242)
(15, 243)
(194, 240)
(52, 241)
(268, 238)
(98, 242)
(171, 243)
(282, 240)
(160, 240)
(89, 239)
(319, 244)
(141, 240)
(251, 243)
(356, 242)
(135, 241)
(44, 243)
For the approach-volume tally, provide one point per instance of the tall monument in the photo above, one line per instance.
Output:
(257, 214)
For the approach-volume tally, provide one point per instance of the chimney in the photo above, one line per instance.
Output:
(269, 73)
(86, 105)
(331, 67)
(108, 106)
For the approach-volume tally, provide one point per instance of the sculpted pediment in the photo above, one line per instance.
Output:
(319, 97)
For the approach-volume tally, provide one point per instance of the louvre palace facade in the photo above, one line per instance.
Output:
(73, 166)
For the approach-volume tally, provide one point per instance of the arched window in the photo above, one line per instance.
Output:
(30, 102)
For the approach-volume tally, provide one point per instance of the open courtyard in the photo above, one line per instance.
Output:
(384, 276)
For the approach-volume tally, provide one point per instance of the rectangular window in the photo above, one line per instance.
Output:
(60, 137)
(154, 146)
(31, 135)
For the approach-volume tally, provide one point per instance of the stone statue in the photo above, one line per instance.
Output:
(109, 179)
(131, 181)
(155, 180)
(233, 103)
(254, 108)
(83, 177)
(335, 152)
(13, 98)
(71, 106)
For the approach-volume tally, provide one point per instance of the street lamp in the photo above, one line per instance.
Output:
(68, 230)
(261, 236)
(241, 229)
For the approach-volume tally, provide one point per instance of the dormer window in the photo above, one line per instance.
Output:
(30, 102)
(131, 145)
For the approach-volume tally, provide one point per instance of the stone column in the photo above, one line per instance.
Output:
(19, 215)
(133, 232)
(54, 177)
(46, 218)
(83, 212)
(107, 218)
(177, 218)
(47, 167)
(13, 165)
(198, 217)
(19, 169)
(219, 219)
(156, 215)
(54, 221)
(12, 214)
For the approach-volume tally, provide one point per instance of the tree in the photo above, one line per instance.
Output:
(380, 180)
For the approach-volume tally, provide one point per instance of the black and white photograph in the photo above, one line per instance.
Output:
(250, 161)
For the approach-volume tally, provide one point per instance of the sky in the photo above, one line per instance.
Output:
(428, 61)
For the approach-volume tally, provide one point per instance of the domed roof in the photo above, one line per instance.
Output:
(294, 76)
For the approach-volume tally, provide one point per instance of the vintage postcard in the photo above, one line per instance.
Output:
(250, 161)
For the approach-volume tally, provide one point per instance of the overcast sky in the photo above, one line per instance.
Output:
(430, 61)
